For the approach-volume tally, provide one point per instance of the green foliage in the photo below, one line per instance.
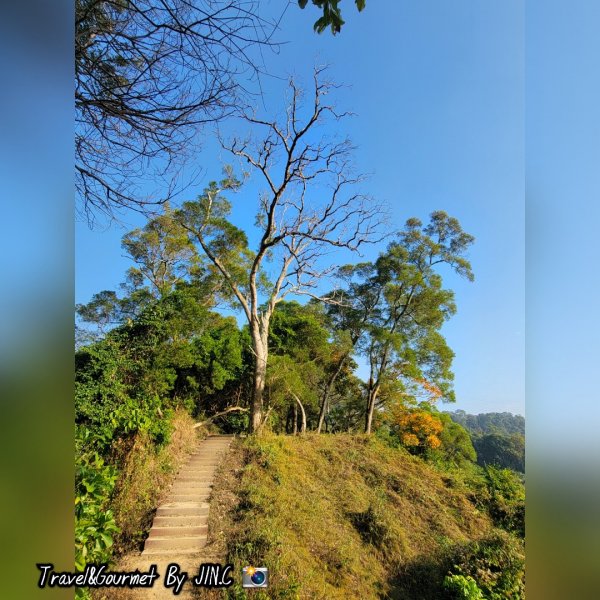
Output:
(462, 588)
(397, 306)
(175, 352)
(301, 355)
(216, 238)
(162, 253)
(95, 525)
(332, 15)
(135, 417)
(496, 564)
(498, 438)
(505, 451)
(456, 448)
(482, 423)
(503, 496)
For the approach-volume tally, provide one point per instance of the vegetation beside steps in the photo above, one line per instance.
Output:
(116, 495)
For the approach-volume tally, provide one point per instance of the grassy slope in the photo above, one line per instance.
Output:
(345, 516)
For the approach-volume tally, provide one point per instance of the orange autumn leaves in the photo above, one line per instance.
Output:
(431, 389)
(416, 428)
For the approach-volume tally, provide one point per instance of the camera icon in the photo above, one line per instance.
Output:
(255, 577)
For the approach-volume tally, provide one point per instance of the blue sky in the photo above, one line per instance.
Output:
(438, 92)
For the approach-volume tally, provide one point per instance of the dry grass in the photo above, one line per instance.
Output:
(343, 516)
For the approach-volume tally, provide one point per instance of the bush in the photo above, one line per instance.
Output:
(496, 564)
(504, 498)
(94, 523)
(462, 588)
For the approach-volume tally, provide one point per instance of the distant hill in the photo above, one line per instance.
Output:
(493, 422)
(498, 438)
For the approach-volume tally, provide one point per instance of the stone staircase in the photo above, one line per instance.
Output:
(180, 525)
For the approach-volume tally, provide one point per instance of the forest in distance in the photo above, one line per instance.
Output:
(279, 300)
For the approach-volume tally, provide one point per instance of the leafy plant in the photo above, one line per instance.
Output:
(332, 15)
(497, 564)
(462, 588)
(504, 498)
(95, 525)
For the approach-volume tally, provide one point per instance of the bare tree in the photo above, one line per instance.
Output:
(311, 207)
(148, 73)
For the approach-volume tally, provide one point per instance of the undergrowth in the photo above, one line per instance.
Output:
(115, 500)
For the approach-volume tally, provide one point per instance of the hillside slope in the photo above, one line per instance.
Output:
(345, 516)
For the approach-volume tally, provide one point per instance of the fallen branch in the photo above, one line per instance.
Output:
(220, 414)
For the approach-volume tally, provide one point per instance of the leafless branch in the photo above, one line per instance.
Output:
(149, 74)
(311, 205)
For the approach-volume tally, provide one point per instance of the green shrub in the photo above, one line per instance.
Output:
(94, 524)
(497, 565)
(462, 588)
(504, 498)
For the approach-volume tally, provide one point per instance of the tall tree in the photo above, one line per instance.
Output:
(148, 74)
(301, 354)
(402, 342)
(348, 318)
(391, 311)
(162, 254)
(309, 208)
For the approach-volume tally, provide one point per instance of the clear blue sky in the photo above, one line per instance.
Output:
(438, 89)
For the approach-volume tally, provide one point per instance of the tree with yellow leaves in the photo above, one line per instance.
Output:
(418, 429)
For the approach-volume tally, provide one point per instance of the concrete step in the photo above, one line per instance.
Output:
(183, 509)
(178, 532)
(193, 493)
(185, 521)
(189, 490)
(190, 486)
(197, 477)
(180, 525)
(194, 482)
(198, 469)
(189, 497)
(182, 544)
